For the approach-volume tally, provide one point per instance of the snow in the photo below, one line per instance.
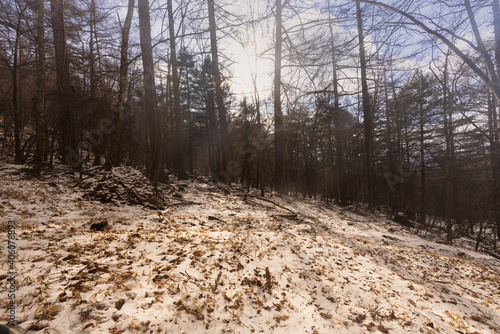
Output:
(219, 260)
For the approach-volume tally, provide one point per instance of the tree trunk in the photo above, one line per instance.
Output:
(179, 121)
(153, 121)
(261, 143)
(367, 113)
(95, 114)
(190, 126)
(448, 179)
(337, 120)
(40, 118)
(279, 135)
(68, 146)
(219, 94)
(212, 134)
(422, 155)
(114, 155)
(15, 96)
(496, 149)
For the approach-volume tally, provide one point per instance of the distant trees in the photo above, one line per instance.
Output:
(488, 71)
(368, 102)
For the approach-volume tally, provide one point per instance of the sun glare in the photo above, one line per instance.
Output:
(250, 65)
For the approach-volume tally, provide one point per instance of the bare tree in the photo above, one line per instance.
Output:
(225, 156)
(155, 152)
(68, 146)
(337, 119)
(496, 153)
(179, 120)
(40, 116)
(367, 112)
(113, 158)
(279, 134)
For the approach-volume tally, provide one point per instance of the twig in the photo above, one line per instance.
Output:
(268, 278)
(291, 217)
(186, 274)
(217, 281)
(215, 218)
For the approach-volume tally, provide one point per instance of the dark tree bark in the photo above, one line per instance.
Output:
(337, 120)
(68, 146)
(179, 121)
(367, 113)
(40, 117)
(260, 149)
(155, 156)
(215, 164)
(224, 138)
(15, 95)
(422, 153)
(114, 153)
(496, 148)
(279, 134)
(448, 159)
(95, 113)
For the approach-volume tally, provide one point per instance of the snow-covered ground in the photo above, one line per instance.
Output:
(210, 259)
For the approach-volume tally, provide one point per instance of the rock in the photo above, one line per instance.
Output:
(99, 226)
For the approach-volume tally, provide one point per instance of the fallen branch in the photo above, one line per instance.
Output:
(290, 217)
(215, 218)
(217, 281)
(272, 202)
(268, 278)
(188, 203)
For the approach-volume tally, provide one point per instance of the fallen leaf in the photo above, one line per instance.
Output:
(325, 315)
(258, 302)
(198, 253)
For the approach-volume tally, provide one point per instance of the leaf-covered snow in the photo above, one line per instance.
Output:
(219, 260)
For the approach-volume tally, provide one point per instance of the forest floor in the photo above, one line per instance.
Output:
(203, 258)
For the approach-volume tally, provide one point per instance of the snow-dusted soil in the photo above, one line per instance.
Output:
(219, 261)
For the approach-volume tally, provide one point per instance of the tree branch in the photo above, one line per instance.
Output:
(493, 84)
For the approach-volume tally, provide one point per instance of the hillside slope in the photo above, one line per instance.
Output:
(208, 259)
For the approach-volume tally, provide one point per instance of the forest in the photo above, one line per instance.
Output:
(393, 105)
